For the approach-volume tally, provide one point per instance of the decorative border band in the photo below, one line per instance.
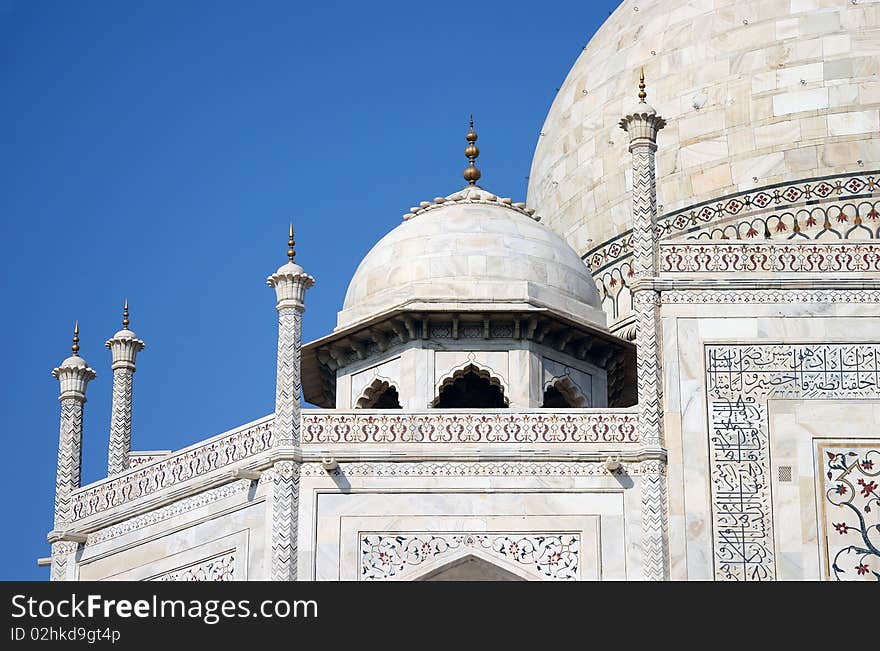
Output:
(484, 469)
(764, 296)
(781, 257)
(781, 197)
(555, 556)
(441, 428)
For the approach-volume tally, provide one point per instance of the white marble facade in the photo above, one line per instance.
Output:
(765, 285)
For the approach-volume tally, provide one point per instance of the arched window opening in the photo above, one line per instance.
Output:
(379, 395)
(388, 399)
(553, 399)
(563, 394)
(471, 388)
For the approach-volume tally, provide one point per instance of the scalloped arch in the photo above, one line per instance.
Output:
(570, 391)
(479, 371)
(374, 391)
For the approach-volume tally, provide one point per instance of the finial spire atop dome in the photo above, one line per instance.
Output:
(291, 254)
(472, 174)
(75, 346)
(125, 320)
(641, 120)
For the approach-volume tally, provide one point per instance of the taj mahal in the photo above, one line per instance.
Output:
(664, 364)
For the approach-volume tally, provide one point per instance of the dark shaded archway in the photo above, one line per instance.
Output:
(388, 399)
(471, 568)
(554, 399)
(563, 394)
(470, 388)
(379, 395)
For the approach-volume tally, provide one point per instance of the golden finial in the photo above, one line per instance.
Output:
(642, 94)
(125, 320)
(75, 347)
(472, 174)
(290, 252)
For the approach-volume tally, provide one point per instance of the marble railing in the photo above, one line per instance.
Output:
(143, 457)
(570, 426)
(176, 468)
(581, 430)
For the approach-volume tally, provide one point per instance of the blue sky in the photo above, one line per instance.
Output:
(156, 151)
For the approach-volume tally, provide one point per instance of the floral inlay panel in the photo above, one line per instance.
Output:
(554, 556)
(219, 568)
(849, 495)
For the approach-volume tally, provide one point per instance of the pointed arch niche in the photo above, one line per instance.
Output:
(470, 565)
(379, 394)
(563, 393)
(470, 387)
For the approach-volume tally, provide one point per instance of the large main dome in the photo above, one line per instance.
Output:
(471, 251)
(754, 93)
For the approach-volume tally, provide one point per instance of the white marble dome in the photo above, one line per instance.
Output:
(754, 93)
(471, 251)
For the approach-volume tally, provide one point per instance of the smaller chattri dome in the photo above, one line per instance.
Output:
(290, 268)
(471, 251)
(74, 361)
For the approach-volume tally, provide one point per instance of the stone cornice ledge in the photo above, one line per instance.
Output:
(65, 535)
(484, 455)
(714, 282)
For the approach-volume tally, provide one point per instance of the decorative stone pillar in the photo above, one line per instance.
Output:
(290, 283)
(284, 497)
(73, 375)
(642, 124)
(124, 347)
